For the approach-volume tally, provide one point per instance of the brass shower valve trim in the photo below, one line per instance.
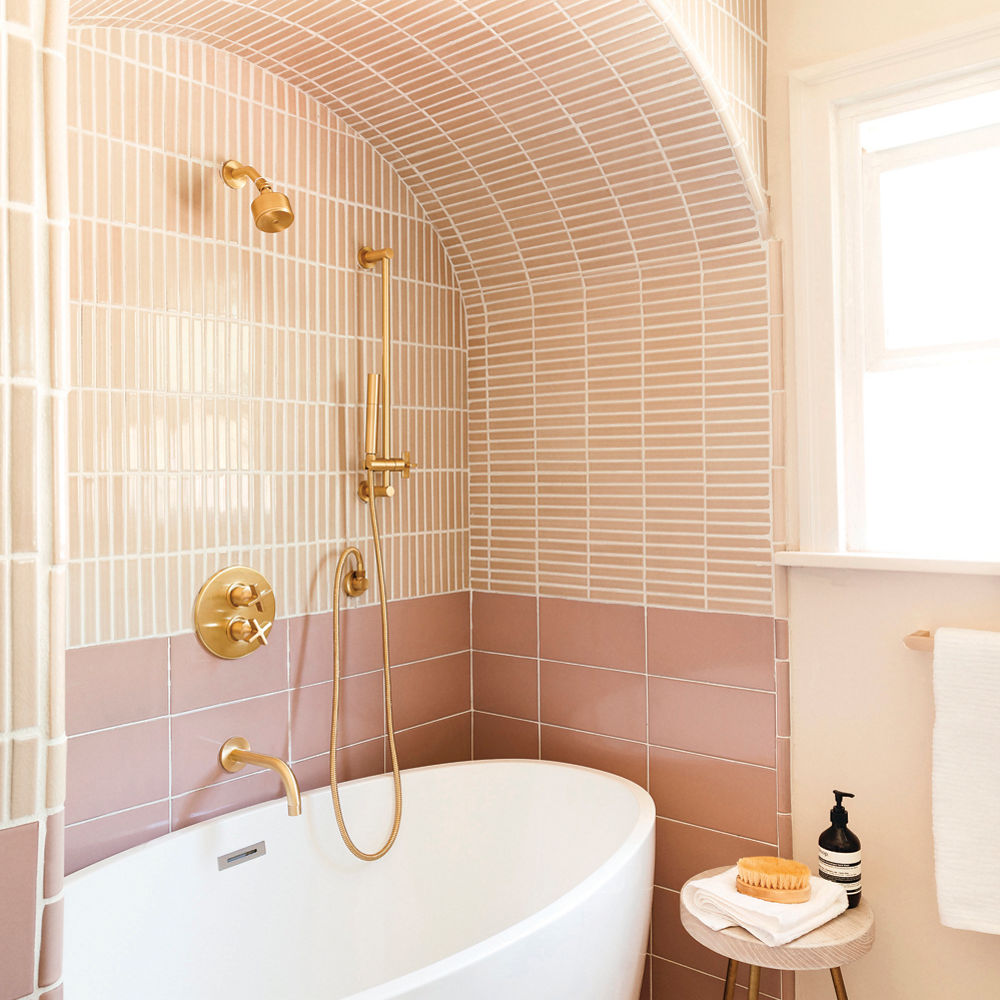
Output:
(234, 612)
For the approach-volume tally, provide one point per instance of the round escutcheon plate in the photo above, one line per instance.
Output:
(235, 595)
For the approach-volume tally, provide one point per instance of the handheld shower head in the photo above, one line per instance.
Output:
(272, 212)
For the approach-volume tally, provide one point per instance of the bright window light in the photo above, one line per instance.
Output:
(932, 460)
(931, 122)
(940, 256)
(925, 473)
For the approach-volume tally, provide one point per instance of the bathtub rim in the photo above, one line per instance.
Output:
(642, 829)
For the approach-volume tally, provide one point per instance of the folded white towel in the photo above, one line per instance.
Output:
(717, 903)
(966, 778)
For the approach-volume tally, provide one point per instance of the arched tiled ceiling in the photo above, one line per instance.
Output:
(538, 136)
(726, 43)
(609, 249)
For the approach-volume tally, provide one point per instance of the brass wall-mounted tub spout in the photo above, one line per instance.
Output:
(236, 754)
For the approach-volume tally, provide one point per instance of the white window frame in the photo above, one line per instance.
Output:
(826, 105)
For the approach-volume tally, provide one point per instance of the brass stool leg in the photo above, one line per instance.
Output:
(731, 971)
(754, 982)
(838, 984)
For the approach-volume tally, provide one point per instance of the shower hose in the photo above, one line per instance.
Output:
(341, 564)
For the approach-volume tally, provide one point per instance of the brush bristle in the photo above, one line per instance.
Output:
(773, 873)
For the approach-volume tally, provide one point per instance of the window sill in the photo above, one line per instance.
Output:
(886, 563)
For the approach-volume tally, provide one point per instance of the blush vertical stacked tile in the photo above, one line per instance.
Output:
(217, 398)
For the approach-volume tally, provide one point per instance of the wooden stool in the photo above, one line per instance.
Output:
(841, 940)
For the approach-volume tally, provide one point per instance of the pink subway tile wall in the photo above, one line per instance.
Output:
(18, 890)
(619, 415)
(144, 759)
(617, 454)
(687, 704)
(33, 385)
(218, 372)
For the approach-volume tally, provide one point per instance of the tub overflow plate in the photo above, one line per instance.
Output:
(244, 854)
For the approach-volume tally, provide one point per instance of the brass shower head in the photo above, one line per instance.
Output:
(272, 212)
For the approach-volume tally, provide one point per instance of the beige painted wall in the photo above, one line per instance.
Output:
(862, 714)
(862, 704)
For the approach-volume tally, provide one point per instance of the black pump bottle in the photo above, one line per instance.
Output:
(840, 852)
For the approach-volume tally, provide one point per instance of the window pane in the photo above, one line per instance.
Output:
(932, 460)
(949, 118)
(941, 251)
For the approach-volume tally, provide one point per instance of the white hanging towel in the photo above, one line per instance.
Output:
(966, 778)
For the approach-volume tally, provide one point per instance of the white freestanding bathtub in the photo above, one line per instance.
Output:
(510, 880)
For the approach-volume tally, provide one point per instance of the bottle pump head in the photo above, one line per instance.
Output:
(838, 814)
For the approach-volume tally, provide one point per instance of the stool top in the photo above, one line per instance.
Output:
(845, 938)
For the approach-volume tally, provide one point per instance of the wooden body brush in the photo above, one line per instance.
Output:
(776, 880)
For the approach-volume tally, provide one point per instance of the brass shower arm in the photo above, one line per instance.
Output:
(236, 174)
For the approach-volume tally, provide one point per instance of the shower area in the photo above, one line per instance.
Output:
(586, 315)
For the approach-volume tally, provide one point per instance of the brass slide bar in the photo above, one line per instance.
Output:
(379, 386)
(367, 258)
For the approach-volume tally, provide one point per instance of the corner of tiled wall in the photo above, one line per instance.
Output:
(780, 533)
(727, 43)
(33, 386)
